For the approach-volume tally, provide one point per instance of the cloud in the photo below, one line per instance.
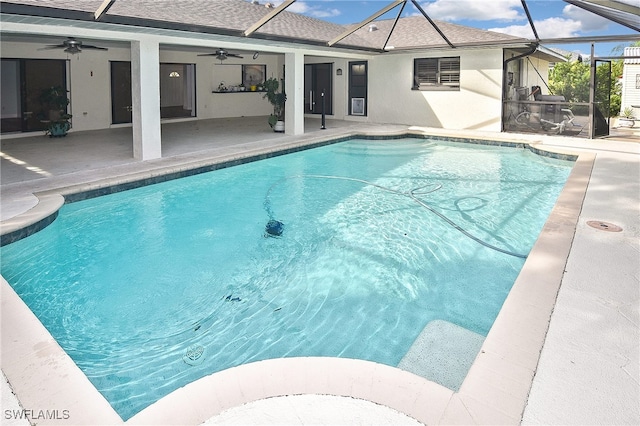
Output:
(589, 21)
(314, 11)
(547, 28)
(325, 13)
(476, 10)
(574, 22)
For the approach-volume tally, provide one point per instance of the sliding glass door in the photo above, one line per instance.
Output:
(318, 88)
(23, 84)
(177, 91)
(121, 109)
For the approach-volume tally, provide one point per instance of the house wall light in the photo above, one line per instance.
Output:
(339, 71)
(174, 74)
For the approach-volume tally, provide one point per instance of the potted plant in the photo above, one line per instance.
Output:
(626, 118)
(277, 99)
(55, 100)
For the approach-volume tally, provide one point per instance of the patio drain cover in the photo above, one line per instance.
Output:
(604, 226)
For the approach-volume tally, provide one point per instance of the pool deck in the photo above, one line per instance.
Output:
(564, 349)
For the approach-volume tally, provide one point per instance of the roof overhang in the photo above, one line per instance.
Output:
(548, 55)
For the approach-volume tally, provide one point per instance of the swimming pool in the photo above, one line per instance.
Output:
(152, 288)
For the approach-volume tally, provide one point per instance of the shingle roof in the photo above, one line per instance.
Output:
(232, 17)
(416, 31)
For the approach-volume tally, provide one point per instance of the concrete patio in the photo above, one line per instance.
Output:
(588, 369)
(38, 163)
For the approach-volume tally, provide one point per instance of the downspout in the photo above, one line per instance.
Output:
(534, 47)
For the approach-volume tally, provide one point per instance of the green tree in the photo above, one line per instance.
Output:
(571, 80)
(616, 87)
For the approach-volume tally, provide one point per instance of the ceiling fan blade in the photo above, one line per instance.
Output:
(221, 54)
(87, 46)
(71, 45)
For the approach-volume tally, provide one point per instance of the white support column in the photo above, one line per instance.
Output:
(294, 88)
(145, 94)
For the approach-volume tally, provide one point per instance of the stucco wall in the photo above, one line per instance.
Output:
(210, 72)
(476, 105)
(90, 91)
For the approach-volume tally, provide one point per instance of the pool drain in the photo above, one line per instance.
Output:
(193, 356)
(604, 226)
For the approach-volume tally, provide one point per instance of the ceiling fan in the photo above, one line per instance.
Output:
(222, 54)
(73, 46)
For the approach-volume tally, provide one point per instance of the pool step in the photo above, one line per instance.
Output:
(443, 353)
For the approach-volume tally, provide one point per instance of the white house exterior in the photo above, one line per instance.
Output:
(631, 81)
(150, 38)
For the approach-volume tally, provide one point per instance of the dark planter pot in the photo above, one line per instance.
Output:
(58, 130)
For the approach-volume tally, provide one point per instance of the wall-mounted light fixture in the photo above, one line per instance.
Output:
(339, 71)
(255, 55)
(174, 74)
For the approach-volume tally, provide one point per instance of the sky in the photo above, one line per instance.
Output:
(552, 18)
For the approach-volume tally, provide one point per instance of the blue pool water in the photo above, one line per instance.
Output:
(152, 288)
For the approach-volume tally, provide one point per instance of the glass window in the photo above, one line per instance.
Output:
(358, 88)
